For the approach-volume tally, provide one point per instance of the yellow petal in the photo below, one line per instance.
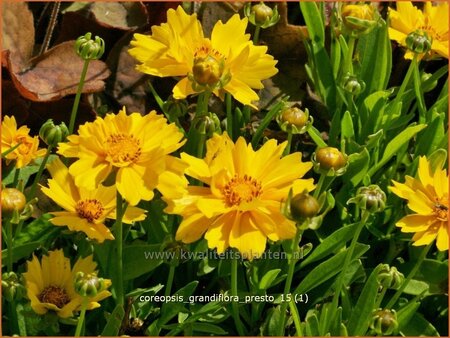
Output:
(192, 228)
(442, 237)
(415, 223)
(247, 238)
(218, 233)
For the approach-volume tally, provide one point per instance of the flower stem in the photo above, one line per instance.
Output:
(296, 317)
(118, 285)
(37, 178)
(319, 185)
(287, 150)
(16, 177)
(405, 80)
(229, 115)
(292, 259)
(411, 274)
(348, 258)
(10, 150)
(256, 35)
(81, 318)
(76, 103)
(348, 67)
(10, 244)
(170, 280)
(234, 293)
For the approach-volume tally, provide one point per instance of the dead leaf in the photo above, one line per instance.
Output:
(17, 31)
(120, 15)
(56, 74)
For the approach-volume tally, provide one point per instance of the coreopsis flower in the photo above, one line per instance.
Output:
(428, 197)
(84, 210)
(26, 147)
(432, 21)
(239, 205)
(50, 285)
(227, 62)
(134, 148)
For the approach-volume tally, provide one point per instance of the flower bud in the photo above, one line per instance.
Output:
(295, 120)
(52, 134)
(384, 322)
(13, 200)
(390, 277)
(88, 285)
(178, 251)
(303, 206)
(12, 287)
(89, 49)
(175, 108)
(359, 18)
(352, 85)
(370, 198)
(418, 42)
(330, 161)
(261, 15)
(207, 124)
(207, 71)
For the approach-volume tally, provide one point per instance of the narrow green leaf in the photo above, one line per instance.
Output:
(347, 129)
(268, 278)
(357, 168)
(20, 251)
(112, 327)
(171, 309)
(419, 326)
(395, 144)
(428, 141)
(405, 314)
(362, 312)
(313, 21)
(330, 244)
(209, 328)
(312, 326)
(274, 322)
(138, 259)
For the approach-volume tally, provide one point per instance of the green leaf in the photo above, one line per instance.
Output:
(268, 278)
(347, 129)
(362, 312)
(416, 287)
(326, 270)
(137, 260)
(274, 322)
(395, 144)
(428, 141)
(112, 327)
(405, 314)
(209, 328)
(27, 171)
(419, 326)
(41, 229)
(330, 244)
(357, 168)
(313, 20)
(312, 326)
(171, 309)
(20, 251)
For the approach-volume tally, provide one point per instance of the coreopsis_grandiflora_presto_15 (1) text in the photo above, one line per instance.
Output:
(228, 62)
(239, 205)
(134, 148)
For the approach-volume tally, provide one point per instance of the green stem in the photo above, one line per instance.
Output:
(81, 318)
(118, 285)
(380, 298)
(16, 177)
(292, 259)
(202, 103)
(10, 150)
(348, 258)
(411, 274)
(287, 150)
(201, 145)
(234, 293)
(419, 92)
(348, 67)
(319, 186)
(10, 244)
(296, 317)
(256, 35)
(229, 115)
(37, 178)
(170, 280)
(76, 103)
(405, 81)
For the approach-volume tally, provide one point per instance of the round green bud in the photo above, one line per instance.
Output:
(52, 134)
(89, 49)
(12, 286)
(13, 200)
(370, 198)
(262, 13)
(330, 161)
(352, 85)
(207, 71)
(88, 285)
(418, 42)
(295, 116)
(384, 322)
(390, 277)
(303, 206)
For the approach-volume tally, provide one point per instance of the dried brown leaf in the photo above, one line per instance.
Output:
(56, 74)
(120, 15)
(17, 31)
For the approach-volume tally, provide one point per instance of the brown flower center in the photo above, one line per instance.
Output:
(123, 149)
(90, 209)
(241, 189)
(54, 295)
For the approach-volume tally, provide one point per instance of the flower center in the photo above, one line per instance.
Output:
(90, 209)
(441, 211)
(208, 66)
(241, 189)
(123, 149)
(54, 295)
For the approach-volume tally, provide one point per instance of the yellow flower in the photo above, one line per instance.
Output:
(27, 151)
(239, 205)
(433, 20)
(228, 62)
(428, 198)
(85, 210)
(50, 284)
(134, 148)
